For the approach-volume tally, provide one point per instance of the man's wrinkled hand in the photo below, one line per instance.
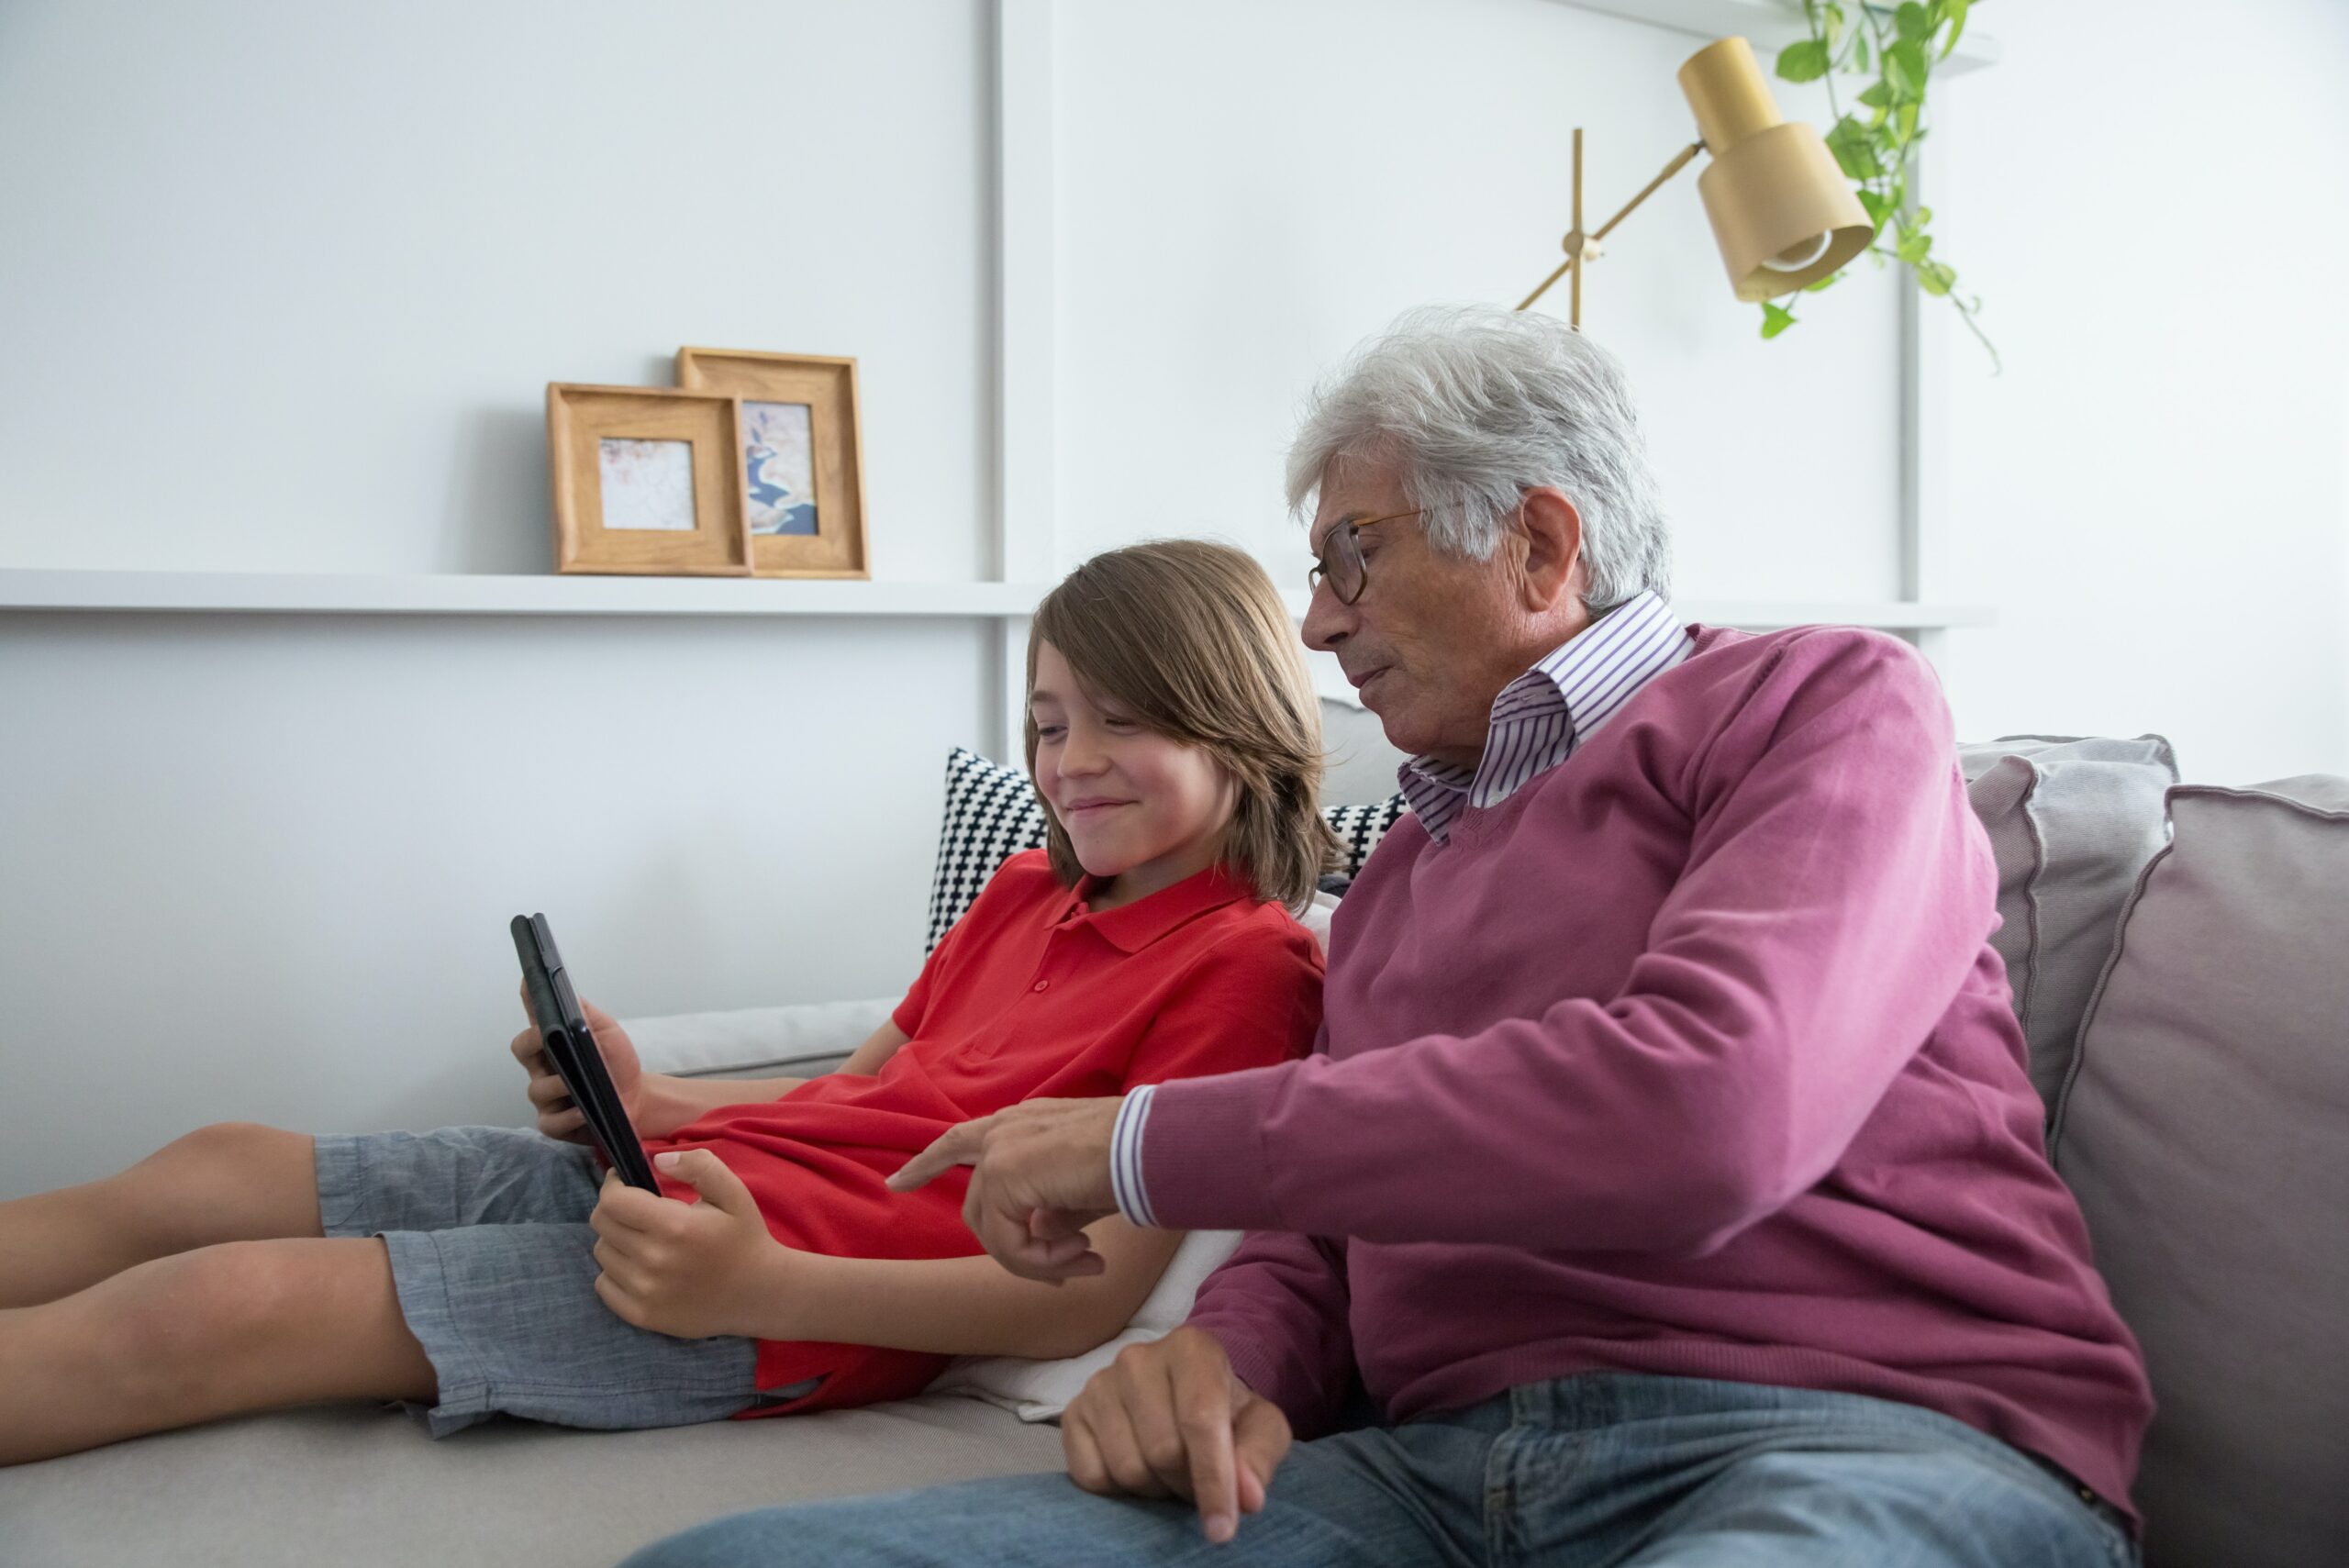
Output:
(1170, 1420)
(690, 1270)
(1039, 1174)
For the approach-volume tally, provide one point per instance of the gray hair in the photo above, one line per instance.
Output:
(1474, 404)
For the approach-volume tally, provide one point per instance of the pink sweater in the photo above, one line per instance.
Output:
(1689, 1058)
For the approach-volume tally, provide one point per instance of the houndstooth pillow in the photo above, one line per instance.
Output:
(992, 814)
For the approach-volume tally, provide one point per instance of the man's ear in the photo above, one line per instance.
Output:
(1552, 530)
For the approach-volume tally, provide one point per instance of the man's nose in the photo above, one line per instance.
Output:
(1327, 622)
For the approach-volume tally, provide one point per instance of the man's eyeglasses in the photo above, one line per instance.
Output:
(1341, 561)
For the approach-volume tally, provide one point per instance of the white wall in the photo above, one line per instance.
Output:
(280, 286)
(2156, 494)
(1249, 189)
(261, 868)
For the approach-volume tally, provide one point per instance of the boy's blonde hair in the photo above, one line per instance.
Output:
(1191, 640)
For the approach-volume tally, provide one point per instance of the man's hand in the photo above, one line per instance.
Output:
(1040, 1175)
(558, 1117)
(1171, 1419)
(690, 1270)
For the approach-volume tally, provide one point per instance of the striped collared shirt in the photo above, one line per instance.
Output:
(1537, 722)
(1544, 714)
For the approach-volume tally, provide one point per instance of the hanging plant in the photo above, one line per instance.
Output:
(1896, 48)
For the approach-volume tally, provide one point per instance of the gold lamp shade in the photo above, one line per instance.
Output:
(1782, 212)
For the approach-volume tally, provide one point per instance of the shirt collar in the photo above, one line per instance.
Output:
(1593, 673)
(1129, 927)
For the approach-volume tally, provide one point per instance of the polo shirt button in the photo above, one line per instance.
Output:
(1041, 984)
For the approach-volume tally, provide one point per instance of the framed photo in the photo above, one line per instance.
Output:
(646, 481)
(802, 459)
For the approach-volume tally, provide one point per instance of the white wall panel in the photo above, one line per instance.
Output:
(281, 285)
(1248, 189)
(261, 867)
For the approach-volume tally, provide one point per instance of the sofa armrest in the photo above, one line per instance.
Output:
(796, 1041)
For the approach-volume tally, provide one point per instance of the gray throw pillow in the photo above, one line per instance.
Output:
(2205, 1129)
(2072, 821)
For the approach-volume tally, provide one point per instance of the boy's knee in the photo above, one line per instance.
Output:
(186, 1325)
(228, 1182)
(224, 1144)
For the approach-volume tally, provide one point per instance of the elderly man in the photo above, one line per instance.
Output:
(1667, 1176)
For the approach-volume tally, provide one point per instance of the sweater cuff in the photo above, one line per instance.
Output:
(1125, 1156)
(1201, 1164)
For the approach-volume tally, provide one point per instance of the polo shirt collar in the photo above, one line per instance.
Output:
(1129, 927)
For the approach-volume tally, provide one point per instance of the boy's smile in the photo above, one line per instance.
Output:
(1142, 810)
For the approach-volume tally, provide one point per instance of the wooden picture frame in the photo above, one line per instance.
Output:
(801, 467)
(647, 480)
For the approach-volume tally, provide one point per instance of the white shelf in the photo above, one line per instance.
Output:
(286, 593)
(1769, 25)
(282, 593)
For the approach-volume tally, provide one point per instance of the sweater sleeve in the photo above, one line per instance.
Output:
(1278, 1306)
(1836, 892)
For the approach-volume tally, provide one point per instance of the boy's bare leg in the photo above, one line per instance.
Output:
(244, 1326)
(233, 1182)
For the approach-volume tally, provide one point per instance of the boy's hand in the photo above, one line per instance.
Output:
(1170, 1418)
(690, 1270)
(558, 1117)
(1040, 1175)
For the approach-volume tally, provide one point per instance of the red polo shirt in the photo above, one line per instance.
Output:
(1030, 995)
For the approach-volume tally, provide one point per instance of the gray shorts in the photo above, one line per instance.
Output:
(491, 1257)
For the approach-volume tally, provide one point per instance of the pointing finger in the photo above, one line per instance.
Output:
(956, 1146)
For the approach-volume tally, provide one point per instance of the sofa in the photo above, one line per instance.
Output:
(2177, 955)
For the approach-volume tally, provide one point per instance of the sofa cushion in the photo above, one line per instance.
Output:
(993, 813)
(1041, 1390)
(364, 1488)
(2072, 821)
(2205, 1128)
(798, 1041)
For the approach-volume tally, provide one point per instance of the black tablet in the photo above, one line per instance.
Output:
(570, 1046)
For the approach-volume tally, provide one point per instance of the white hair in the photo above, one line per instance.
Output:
(1473, 405)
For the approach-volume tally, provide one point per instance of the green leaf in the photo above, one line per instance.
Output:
(1860, 52)
(1935, 277)
(1803, 62)
(1877, 96)
(1906, 116)
(1829, 281)
(1834, 23)
(1775, 320)
(1904, 68)
(1957, 26)
(1924, 215)
(1854, 149)
(1877, 207)
(1909, 22)
(1915, 248)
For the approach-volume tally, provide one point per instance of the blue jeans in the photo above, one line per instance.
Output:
(1595, 1471)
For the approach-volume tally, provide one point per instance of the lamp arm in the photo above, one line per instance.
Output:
(1678, 165)
(1527, 303)
(1679, 162)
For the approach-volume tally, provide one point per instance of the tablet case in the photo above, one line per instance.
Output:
(570, 1046)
